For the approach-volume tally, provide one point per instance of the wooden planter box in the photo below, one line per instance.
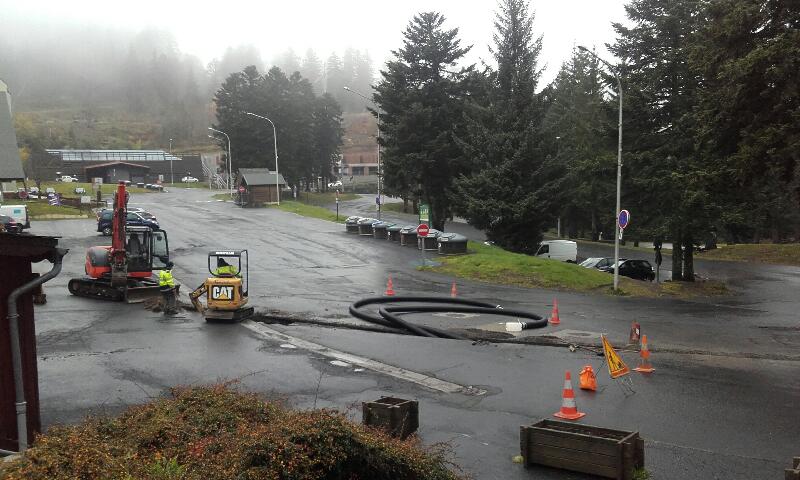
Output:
(582, 448)
(794, 472)
(399, 417)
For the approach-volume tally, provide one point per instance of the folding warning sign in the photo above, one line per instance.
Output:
(616, 367)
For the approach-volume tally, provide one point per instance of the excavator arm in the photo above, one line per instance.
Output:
(195, 297)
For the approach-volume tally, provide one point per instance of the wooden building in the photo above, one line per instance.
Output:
(257, 186)
(17, 254)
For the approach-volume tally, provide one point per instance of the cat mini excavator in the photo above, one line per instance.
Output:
(124, 270)
(226, 288)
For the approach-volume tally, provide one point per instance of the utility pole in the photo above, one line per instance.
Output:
(614, 71)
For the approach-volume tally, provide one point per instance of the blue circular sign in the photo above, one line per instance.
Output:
(624, 218)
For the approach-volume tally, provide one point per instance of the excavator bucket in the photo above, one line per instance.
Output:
(142, 293)
(195, 298)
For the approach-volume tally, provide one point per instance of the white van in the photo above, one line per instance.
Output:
(18, 212)
(564, 250)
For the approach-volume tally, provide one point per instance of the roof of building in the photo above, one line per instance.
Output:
(10, 162)
(108, 164)
(113, 155)
(260, 176)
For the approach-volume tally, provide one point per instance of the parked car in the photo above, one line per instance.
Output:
(67, 179)
(80, 190)
(9, 225)
(19, 213)
(189, 180)
(50, 190)
(105, 221)
(636, 269)
(564, 250)
(337, 183)
(598, 262)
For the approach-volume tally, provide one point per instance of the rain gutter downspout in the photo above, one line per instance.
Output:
(16, 353)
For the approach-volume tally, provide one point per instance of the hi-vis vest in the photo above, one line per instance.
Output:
(165, 279)
(226, 270)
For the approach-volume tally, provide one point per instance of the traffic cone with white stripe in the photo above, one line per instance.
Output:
(644, 360)
(389, 288)
(554, 320)
(569, 410)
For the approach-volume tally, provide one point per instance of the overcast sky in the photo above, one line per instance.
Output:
(205, 28)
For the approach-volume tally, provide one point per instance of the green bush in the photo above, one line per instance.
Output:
(209, 433)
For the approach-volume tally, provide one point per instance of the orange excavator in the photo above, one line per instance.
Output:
(124, 270)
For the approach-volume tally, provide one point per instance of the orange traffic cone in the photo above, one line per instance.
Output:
(569, 411)
(644, 361)
(389, 288)
(453, 291)
(588, 379)
(554, 320)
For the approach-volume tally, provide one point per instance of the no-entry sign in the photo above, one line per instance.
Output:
(624, 218)
(423, 230)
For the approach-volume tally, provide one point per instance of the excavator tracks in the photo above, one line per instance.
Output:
(91, 288)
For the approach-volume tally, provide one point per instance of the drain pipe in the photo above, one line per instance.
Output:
(16, 353)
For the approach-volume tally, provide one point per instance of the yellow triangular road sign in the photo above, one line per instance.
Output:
(616, 367)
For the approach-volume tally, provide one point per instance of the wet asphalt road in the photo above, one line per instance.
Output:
(726, 415)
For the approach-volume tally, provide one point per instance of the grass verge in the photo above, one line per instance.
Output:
(68, 189)
(309, 211)
(771, 253)
(39, 208)
(494, 265)
(218, 433)
(321, 198)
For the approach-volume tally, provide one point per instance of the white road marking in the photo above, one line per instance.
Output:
(410, 376)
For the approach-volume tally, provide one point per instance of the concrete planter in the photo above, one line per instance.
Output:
(582, 448)
(429, 242)
(393, 233)
(452, 244)
(380, 230)
(351, 224)
(399, 417)
(365, 226)
(408, 236)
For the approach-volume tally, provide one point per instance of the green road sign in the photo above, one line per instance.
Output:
(424, 213)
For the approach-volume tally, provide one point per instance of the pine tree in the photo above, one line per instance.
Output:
(577, 125)
(749, 54)
(421, 97)
(665, 180)
(511, 192)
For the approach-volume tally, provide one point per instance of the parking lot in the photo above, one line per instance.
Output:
(718, 403)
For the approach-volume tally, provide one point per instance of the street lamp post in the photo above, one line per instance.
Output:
(619, 163)
(230, 161)
(378, 138)
(275, 138)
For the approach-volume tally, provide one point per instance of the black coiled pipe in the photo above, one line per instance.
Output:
(390, 315)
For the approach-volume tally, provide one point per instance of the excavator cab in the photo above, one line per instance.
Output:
(226, 288)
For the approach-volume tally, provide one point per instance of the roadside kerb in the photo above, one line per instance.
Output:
(426, 381)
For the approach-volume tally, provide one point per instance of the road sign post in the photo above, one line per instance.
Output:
(623, 220)
(422, 232)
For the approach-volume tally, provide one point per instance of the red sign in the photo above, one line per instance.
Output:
(423, 230)
(241, 189)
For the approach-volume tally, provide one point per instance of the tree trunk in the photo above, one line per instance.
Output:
(595, 237)
(677, 259)
(688, 260)
(438, 215)
(405, 205)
